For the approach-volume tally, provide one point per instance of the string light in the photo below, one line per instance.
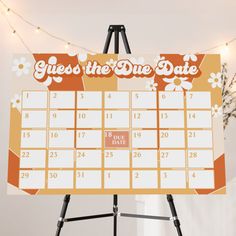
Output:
(224, 47)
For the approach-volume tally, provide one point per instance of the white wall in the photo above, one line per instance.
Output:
(153, 26)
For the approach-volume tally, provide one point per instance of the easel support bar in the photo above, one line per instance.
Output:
(146, 216)
(88, 217)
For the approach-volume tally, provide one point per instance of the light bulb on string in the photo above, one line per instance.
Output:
(67, 45)
(8, 10)
(14, 32)
(225, 50)
(37, 30)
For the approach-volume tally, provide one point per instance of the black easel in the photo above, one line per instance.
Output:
(117, 29)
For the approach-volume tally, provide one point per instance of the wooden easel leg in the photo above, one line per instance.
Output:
(60, 222)
(115, 211)
(174, 214)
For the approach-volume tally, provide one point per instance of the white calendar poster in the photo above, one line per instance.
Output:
(116, 124)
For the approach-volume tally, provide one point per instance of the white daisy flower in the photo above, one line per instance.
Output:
(159, 58)
(215, 80)
(216, 110)
(151, 85)
(177, 84)
(16, 102)
(190, 57)
(21, 66)
(111, 63)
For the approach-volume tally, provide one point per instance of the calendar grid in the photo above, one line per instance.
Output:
(186, 142)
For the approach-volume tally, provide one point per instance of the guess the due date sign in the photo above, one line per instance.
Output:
(124, 124)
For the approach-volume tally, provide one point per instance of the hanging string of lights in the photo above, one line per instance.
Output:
(224, 47)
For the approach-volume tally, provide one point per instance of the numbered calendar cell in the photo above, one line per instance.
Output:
(60, 179)
(144, 119)
(119, 179)
(200, 159)
(144, 159)
(33, 119)
(171, 119)
(89, 139)
(89, 119)
(34, 99)
(171, 100)
(88, 158)
(173, 179)
(145, 179)
(62, 100)
(32, 179)
(144, 139)
(172, 138)
(116, 139)
(61, 158)
(116, 100)
(88, 179)
(202, 179)
(89, 99)
(172, 159)
(200, 139)
(61, 138)
(144, 100)
(33, 139)
(116, 119)
(199, 119)
(116, 158)
(32, 158)
(198, 100)
(62, 119)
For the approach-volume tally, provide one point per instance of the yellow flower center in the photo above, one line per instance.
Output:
(17, 101)
(177, 81)
(216, 80)
(20, 66)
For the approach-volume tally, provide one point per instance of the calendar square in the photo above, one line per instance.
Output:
(60, 179)
(89, 119)
(172, 159)
(144, 159)
(144, 119)
(199, 119)
(171, 179)
(144, 100)
(33, 119)
(34, 100)
(172, 139)
(116, 100)
(199, 100)
(200, 159)
(89, 139)
(116, 139)
(171, 119)
(62, 100)
(117, 179)
(32, 179)
(60, 158)
(89, 99)
(62, 119)
(116, 119)
(171, 100)
(116, 158)
(146, 179)
(88, 179)
(33, 139)
(201, 179)
(61, 138)
(32, 158)
(144, 139)
(200, 139)
(88, 158)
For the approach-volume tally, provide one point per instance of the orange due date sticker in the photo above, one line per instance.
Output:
(116, 138)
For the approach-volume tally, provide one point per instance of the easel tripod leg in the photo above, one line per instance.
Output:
(174, 214)
(60, 222)
(115, 211)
